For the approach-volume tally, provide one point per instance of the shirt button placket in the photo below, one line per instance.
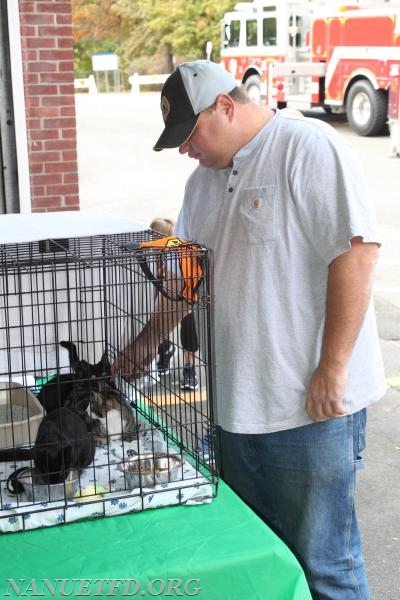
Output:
(231, 188)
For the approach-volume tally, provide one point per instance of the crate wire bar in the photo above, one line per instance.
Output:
(93, 292)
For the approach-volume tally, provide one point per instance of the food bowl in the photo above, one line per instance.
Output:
(37, 489)
(148, 470)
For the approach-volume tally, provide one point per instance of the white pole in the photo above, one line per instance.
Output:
(21, 138)
(134, 82)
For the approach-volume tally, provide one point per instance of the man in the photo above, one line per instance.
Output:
(282, 203)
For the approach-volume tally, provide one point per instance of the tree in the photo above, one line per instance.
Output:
(147, 35)
(96, 28)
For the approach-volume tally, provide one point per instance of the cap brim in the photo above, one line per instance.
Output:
(176, 134)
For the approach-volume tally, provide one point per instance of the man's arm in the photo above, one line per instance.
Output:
(348, 296)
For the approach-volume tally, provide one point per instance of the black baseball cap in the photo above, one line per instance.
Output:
(190, 89)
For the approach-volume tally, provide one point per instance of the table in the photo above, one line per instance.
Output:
(216, 551)
(223, 548)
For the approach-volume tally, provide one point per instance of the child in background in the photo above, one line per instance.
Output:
(188, 333)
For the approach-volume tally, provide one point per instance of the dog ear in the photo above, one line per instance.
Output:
(104, 365)
(66, 457)
(47, 460)
(66, 461)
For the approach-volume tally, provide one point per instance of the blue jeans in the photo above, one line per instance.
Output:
(301, 482)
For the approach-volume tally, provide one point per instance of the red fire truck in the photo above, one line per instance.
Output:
(309, 54)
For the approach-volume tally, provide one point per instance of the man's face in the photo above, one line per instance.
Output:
(208, 142)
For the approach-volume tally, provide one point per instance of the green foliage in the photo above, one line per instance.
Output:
(152, 34)
(95, 29)
(174, 28)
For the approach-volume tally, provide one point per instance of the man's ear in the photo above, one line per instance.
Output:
(225, 104)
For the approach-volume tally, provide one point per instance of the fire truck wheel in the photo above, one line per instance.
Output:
(367, 109)
(253, 88)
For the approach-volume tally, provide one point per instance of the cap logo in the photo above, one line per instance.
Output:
(165, 107)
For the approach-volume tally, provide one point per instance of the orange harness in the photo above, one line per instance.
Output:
(189, 260)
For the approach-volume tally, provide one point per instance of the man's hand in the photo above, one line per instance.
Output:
(325, 393)
(128, 365)
(135, 359)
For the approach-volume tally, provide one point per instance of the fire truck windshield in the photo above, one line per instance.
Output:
(269, 31)
(246, 32)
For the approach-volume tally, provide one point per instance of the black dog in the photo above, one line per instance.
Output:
(62, 443)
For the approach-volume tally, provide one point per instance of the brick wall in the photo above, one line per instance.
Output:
(46, 38)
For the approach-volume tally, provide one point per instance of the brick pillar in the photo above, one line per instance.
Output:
(46, 39)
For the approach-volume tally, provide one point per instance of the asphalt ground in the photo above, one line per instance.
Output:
(120, 174)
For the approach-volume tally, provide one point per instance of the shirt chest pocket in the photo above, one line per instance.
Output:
(258, 215)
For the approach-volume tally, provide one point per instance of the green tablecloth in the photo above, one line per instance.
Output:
(224, 545)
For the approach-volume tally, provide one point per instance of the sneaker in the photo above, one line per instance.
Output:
(165, 353)
(189, 381)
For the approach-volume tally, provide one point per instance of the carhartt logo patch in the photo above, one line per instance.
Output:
(165, 107)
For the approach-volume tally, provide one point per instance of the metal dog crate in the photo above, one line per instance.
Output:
(95, 292)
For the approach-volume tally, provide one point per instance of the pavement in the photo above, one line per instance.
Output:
(378, 495)
(120, 174)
